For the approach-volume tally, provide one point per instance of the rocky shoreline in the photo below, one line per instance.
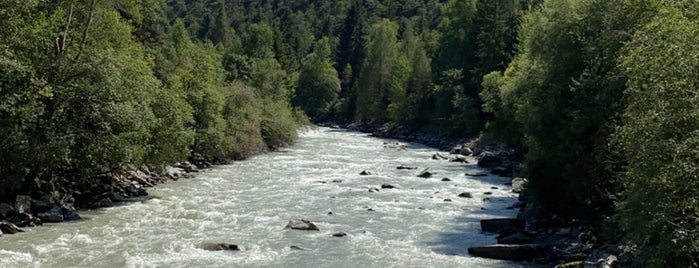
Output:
(62, 202)
(532, 236)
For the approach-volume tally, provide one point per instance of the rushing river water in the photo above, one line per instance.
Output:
(248, 203)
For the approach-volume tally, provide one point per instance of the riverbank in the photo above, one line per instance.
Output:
(62, 200)
(541, 238)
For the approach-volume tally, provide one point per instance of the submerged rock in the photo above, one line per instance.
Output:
(340, 234)
(301, 224)
(219, 246)
(466, 195)
(401, 167)
(374, 190)
(387, 186)
(425, 174)
(53, 215)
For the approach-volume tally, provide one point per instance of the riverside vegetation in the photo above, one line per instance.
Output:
(598, 97)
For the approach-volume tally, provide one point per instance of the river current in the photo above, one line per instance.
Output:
(248, 203)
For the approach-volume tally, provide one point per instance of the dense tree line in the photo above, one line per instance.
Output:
(95, 87)
(598, 96)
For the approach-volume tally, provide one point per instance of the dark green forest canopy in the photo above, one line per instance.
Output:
(598, 96)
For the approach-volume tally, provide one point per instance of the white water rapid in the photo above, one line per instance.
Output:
(248, 203)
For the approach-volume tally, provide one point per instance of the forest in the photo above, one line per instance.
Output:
(599, 97)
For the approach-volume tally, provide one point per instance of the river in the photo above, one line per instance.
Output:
(249, 202)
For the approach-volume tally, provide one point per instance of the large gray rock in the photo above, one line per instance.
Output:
(466, 151)
(519, 185)
(53, 215)
(511, 252)
(301, 224)
(497, 225)
(459, 159)
(9, 228)
(187, 167)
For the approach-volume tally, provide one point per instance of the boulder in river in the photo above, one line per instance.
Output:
(446, 179)
(466, 151)
(459, 159)
(187, 167)
(401, 167)
(301, 224)
(387, 186)
(496, 225)
(425, 174)
(340, 234)
(511, 252)
(439, 156)
(364, 173)
(55, 214)
(489, 160)
(519, 184)
(220, 246)
(466, 195)
(9, 228)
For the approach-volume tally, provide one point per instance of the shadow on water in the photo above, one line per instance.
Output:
(464, 231)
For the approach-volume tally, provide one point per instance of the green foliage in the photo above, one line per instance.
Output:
(243, 115)
(318, 85)
(278, 126)
(413, 80)
(380, 74)
(563, 90)
(659, 138)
